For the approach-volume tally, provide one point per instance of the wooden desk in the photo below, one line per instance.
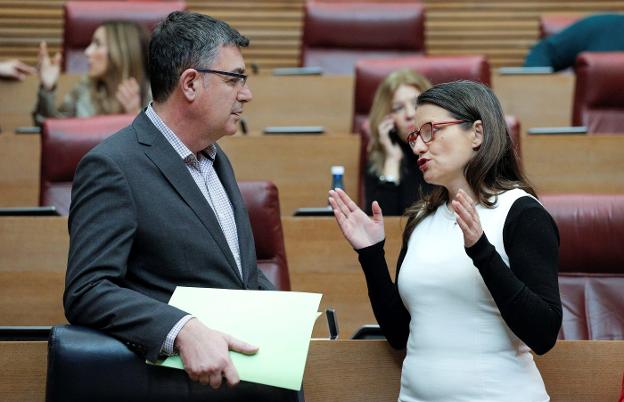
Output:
(300, 165)
(277, 101)
(19, 169)
(536, 100)
(345, 371)
(33, 261)
(301, 101)
(575, 163)
(22, 95)
(320, 260)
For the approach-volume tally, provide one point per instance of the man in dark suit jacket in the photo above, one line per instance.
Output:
(157, 205)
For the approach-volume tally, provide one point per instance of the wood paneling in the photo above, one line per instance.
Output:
(345, 371)
(504, 30)
(320, 260)
(299, 165)
(23, 368)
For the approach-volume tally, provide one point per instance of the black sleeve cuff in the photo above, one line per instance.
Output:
(481, 251)
(371, 250)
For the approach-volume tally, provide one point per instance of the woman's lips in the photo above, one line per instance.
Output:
(422, 163)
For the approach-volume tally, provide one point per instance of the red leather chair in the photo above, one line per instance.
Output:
(599, 92)
(336, 35)
(438, 69)
(65, 141)
(83, 17)
(262, 202)
(591, 272)
(551, 24)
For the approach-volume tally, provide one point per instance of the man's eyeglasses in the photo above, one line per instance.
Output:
(237, 78)
(426, 131)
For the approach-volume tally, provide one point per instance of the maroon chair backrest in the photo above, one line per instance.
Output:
(370, 73)
(83, 17)
(63, 143)
(262, 202)
(591, 271)
(599, 92)
(336, 35)
(551, 24)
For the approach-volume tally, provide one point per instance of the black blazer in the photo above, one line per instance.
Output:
(139, 226)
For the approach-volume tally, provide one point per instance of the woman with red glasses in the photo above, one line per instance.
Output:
(476, 286)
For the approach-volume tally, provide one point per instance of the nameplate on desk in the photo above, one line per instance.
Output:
(525, 70)
(29, 211)
(298, 71)
(557, 130)
(318, 211)
(294, 130)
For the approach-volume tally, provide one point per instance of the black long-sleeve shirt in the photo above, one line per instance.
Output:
(526, 293)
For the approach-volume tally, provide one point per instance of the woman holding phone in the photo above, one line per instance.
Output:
(392, 177)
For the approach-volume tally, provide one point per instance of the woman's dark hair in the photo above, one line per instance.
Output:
(494, 168)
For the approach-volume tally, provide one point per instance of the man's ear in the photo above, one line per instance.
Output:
(477, 139)
(189, 84)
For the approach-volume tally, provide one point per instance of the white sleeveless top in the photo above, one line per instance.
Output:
(459, 348)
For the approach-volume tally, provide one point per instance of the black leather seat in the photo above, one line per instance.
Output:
(87, 365)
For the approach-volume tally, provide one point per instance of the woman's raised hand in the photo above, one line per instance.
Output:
(357, 227)
(49, 69)
(467, 218)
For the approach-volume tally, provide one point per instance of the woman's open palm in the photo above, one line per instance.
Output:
(357, 227)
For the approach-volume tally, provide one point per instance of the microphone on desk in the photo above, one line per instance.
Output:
(243, 125)
(332, 323)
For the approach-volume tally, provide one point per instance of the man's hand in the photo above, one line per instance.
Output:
(204, 353)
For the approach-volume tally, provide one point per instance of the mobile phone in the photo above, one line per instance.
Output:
(394, 135)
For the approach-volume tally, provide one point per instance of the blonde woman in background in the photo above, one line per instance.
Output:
(117, 80)
(392, 176)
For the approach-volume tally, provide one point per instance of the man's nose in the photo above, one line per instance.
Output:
(245, 95)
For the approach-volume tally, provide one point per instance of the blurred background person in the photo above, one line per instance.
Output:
(477, 278)
(392, 177)
(596, 33)
(15, 69)
(117, 81)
